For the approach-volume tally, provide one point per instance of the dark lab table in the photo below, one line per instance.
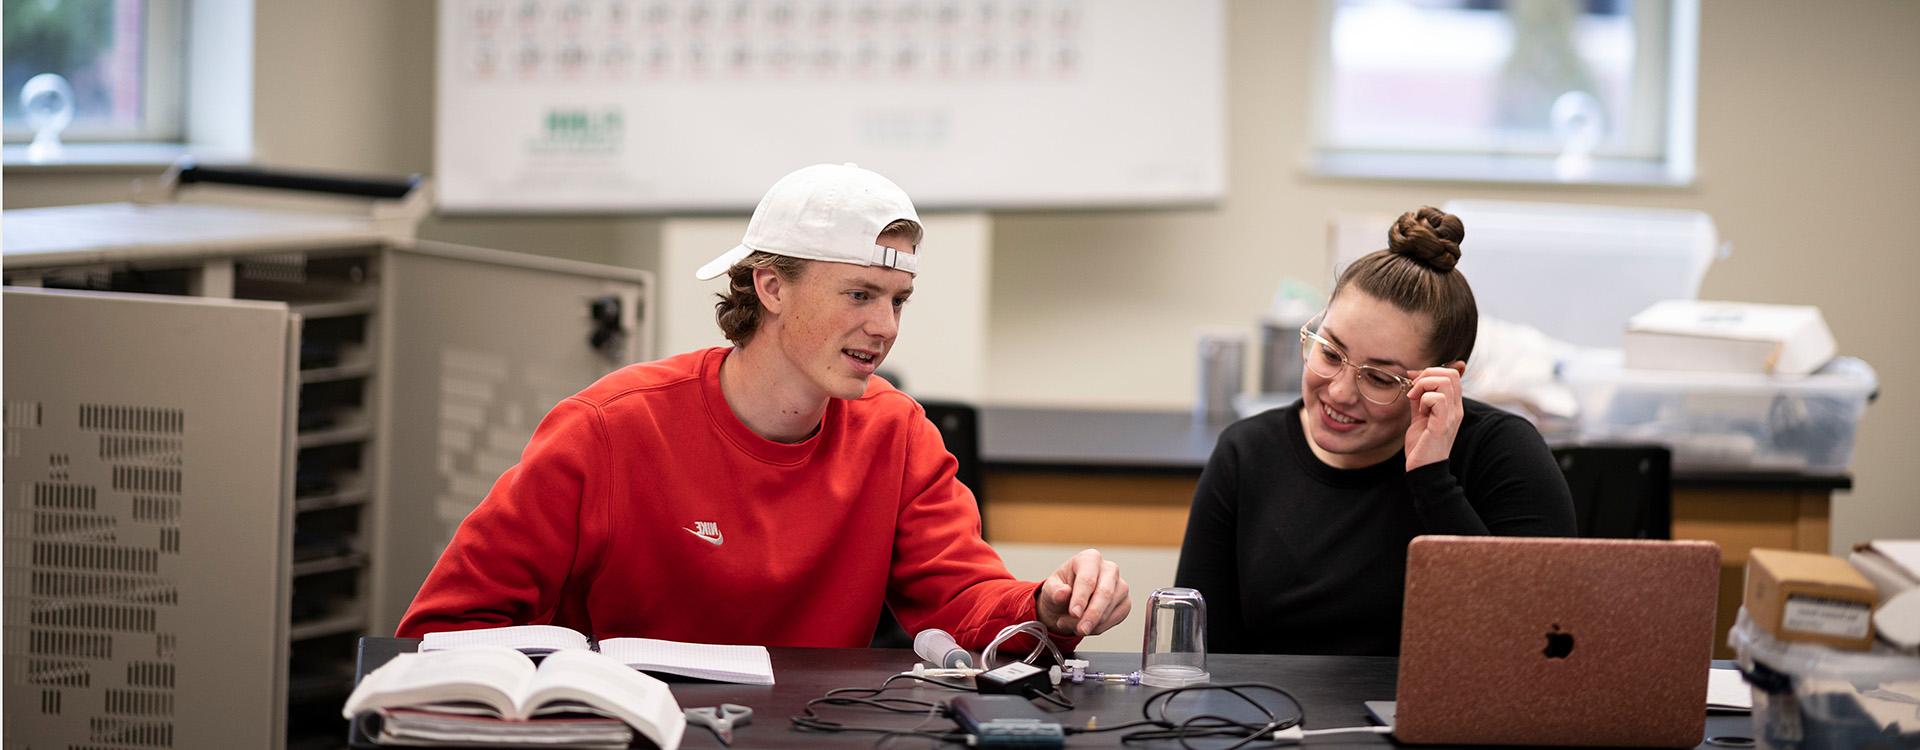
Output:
(1331, 689)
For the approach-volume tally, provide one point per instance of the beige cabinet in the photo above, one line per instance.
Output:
(300, 407)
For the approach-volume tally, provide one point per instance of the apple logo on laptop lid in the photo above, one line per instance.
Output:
(1559, 643)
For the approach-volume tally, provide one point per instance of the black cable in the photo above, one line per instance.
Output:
(1206, 725)
(894, 705)
(885, 741)
(810, 720)
(1210, 725)
(813, 722)
(1056, 698)
(885, 733)
(1113, 728)
(942, 683)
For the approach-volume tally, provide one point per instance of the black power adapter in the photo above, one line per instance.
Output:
(1006, 721)
(1018, 678)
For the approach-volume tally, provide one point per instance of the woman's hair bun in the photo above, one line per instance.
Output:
(1430, 236)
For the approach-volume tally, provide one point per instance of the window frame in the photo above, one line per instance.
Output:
(164, 53)
(1658, 149)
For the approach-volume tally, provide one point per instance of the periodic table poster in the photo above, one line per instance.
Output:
(698, 105)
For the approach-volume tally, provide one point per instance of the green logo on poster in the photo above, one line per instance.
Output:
(581, 131)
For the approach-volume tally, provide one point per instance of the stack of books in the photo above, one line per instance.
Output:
(484, 688)
(493, 695)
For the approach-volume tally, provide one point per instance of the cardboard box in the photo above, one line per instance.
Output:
(1733, 337)
(1811, 598)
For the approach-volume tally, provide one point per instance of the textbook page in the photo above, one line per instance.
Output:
(608, 687)
(749, 665)
(403, 726)
(489, 675)
(502, 682)
(531, 639)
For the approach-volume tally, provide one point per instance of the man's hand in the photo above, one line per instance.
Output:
(1086, 596)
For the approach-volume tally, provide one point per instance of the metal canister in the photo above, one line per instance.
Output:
(1222, 373)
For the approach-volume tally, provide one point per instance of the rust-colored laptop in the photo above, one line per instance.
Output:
(1522, 641)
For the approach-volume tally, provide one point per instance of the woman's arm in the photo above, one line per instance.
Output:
(1517, 488)
(1209, 559)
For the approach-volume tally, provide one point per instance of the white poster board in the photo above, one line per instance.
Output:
(697, 105)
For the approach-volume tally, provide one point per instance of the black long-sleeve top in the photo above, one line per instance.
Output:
(1297, 557)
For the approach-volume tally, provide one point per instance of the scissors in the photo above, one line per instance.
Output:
(721, 719)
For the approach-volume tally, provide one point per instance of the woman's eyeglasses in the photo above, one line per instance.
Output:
(1326, 360)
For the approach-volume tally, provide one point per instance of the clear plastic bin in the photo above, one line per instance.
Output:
(1726, 421)
(1811, 697)
(1579, 272)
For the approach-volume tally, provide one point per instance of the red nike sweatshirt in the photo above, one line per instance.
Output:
(643, 507)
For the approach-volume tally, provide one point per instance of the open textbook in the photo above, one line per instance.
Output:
(420, 728)
(748, 665)
(490, 682)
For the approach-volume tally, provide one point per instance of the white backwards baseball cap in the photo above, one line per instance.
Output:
(830, 212)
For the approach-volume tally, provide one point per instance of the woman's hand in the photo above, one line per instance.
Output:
(1436, 414)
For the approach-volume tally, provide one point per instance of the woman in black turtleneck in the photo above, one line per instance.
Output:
(1299, 529)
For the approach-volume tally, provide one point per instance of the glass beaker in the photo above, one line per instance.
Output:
(1175, 650)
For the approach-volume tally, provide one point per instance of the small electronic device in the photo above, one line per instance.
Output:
(1017, 678)
(1008, 721)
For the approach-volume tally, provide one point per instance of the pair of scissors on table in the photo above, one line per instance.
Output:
(721, 719)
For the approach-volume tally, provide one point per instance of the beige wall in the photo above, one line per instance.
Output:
(1809, 162)
(1808, 158)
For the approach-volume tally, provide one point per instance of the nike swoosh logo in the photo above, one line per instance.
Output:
(716, 540)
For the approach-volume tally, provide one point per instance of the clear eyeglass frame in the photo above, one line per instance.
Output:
(1372, 387)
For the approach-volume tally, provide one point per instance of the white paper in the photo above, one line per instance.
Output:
(492, 676)
(1726, 689)
(531, 639)
(743, 664)
(1902, 552)
(1806, 614)
(406, 727)
(507, 681)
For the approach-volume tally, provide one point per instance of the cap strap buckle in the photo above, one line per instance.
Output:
(892, 258)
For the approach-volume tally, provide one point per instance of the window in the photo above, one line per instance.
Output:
(1550, 90)
(122, 60)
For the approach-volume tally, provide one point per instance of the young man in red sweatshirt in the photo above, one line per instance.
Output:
(773, 492)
